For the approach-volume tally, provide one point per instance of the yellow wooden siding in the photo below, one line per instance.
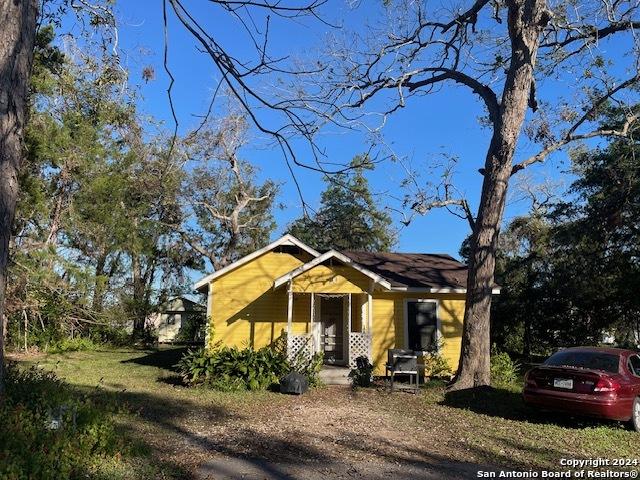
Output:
(388, 324)
(246, 311)
(383, 331)
(335, 279)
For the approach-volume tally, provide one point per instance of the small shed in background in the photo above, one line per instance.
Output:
(179, 319)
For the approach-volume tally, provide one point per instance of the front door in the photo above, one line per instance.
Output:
(332, 334)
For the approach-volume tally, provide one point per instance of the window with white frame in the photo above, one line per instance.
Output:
(422, 325)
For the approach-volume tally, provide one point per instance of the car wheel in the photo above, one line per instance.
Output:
(635, 415)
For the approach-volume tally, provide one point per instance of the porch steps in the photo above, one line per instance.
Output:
(334, 375)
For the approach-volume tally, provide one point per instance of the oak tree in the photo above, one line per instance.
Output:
(501, 51)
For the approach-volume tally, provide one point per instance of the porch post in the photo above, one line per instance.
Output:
(363, 316)
(349, 315)
(290, 311)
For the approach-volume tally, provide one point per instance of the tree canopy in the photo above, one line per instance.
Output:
(348, 217)
(109, 209)
(570, 272)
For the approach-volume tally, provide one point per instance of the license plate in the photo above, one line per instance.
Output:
(563, 383)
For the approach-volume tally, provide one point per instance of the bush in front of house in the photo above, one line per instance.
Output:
(504, 370)
(50, 430)
(230, 368)
(436, 366)
(309, 367)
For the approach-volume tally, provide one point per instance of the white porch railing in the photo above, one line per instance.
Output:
(303, 345)
(300, 345)
(359, 346)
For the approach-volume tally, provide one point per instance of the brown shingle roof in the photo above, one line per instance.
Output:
(417, 270)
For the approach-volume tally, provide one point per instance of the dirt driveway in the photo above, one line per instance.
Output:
(331, 433)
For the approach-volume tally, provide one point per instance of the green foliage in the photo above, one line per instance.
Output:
(111, 335)
(348, 217)
(148, 337)
(569, 270)
(193, 329)
(29, 445)
(362, 375)
(435, 365)
(504, 371)
(310, 368)
(98, 198)
(229, 368)
(73, 345)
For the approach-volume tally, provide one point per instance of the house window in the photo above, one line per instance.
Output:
(422, 325)
(171, 319)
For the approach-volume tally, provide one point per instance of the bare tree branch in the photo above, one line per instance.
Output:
(545, 152)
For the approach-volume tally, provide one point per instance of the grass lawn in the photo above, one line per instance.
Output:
(175, 429)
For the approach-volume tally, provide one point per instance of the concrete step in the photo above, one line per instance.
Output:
(333, 375)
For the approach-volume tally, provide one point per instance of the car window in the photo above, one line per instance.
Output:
(607, 362)
(634, 365)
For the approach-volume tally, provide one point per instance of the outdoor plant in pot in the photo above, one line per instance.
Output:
(362, 375)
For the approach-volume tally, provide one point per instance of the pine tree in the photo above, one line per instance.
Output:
(348, 217)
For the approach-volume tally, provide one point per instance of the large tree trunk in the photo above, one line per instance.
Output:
(17, 37)
(526, 20)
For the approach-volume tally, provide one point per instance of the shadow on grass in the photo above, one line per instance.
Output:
(495, 402)
(508, 404)
(173, 380)
(166, 358)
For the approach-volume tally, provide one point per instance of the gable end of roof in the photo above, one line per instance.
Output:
(203, 284)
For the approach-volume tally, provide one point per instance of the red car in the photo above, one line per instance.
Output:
(596, 382)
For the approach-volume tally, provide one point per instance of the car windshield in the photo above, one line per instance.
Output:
(607, 362)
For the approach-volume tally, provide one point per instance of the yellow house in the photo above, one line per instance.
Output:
(344, 304)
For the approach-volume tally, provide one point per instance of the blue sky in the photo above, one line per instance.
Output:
(442, 123)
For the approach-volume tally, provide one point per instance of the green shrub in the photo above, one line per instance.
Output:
(54, 339)
(310, 368)
(229, 368)
(111, 335)
(74, 345)
(51, 431)
(37, 337)
(362, 375)
(192, 328)
(504, 370)
(148, 337)
(435, 365)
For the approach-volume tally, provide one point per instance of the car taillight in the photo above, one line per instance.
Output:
(606, 385)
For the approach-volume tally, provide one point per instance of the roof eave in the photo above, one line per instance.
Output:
(494, 290)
